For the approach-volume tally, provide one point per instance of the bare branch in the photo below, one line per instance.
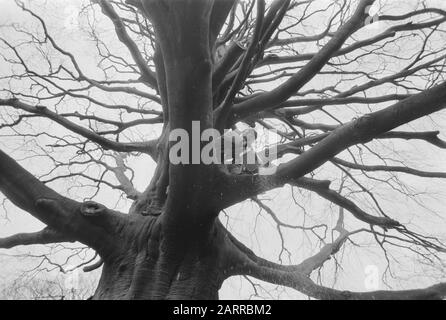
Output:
(147, 74)
(288, 88)
(148, 147)
(44, 236)
(61, 214)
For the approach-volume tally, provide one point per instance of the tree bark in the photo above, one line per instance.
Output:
(149, 265)
(171, 244)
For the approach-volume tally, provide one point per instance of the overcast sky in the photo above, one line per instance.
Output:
(256, 231)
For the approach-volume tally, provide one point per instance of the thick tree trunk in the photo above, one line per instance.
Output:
(151, 265)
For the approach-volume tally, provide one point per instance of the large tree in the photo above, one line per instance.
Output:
(338, 92)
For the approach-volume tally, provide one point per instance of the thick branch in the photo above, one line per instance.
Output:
(44, 236)
(220, 11)
(63, 215)
(147, 74)
(291, 86)
(365, 129)
(305, 285)
(245, 262)
(236, 188)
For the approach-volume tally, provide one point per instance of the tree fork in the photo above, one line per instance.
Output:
(154, 265)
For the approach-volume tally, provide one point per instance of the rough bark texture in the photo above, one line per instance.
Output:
(149, 266)
(171, 244)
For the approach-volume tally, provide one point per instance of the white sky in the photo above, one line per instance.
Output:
(264, 240)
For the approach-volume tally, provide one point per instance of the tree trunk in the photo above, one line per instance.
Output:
(151, 264)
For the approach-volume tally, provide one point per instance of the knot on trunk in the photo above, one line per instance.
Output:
(92, 209)
(99, 215)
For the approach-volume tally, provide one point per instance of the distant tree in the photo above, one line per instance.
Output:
(44, 289)
(340, 93)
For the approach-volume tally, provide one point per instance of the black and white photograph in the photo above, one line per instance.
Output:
(241, 151)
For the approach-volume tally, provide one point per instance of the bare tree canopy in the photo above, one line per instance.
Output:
(347, 94)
